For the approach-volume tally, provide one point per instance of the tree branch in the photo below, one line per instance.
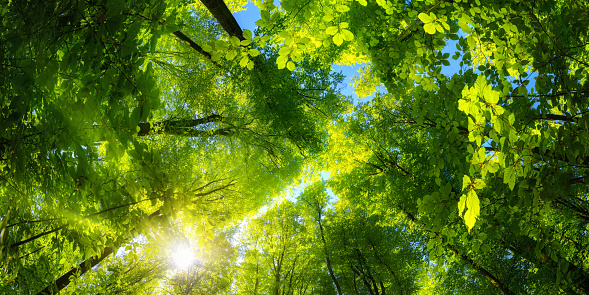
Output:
(223, 15)
(178, 127)
(192, 44)
(81, 268)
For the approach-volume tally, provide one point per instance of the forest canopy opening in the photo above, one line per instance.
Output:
(183, 256)
(166, 119)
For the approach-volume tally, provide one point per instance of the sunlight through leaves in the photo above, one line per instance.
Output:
(183, 256)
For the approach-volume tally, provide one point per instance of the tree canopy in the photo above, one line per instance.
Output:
(128, 128)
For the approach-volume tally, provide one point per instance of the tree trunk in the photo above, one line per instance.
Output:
(490, 277)
(327, 259)
(180, 127)
(525, 248)
(382, 288)
(77, 271)
(257, 280)
(494, 280)
(220, 11)
(81, 268)
(390, 270)
(16, 245)
(362, 276)
(191, 43)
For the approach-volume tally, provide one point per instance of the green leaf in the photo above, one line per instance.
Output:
(475, 246)
(513, 136)
(281, 61)
(439, 27)
(220, 45)
(473, 203)
(284, 50)
(463, 105)
(470, 219)
(426, 19)
(262, 23)
(207, 48)
(465, 182)
(84, 240)
(135, 117)
(439, 251)
(431, 243)
(492, 167)
(290, 65)
(244, 61)
(480, 84)
(247, 34)
(114, 22)
(509, 176)
(511, 119)
(265, 15)
(234, 41)
(254, 52)
(492, 96)
(332, 30)
(231, 54)
(430, 28)
(486, 248)
(338, 39)
(479, 184)
(446, 26)
(245, 42)
(296, 56)
(341, 8)
(347, 35)
(473, 211)
(461, 204)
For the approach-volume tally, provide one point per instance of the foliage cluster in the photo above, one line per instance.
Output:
(134, 124)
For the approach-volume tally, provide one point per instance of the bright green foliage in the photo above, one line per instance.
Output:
(495, 149)
(112, 128)
(278, 252)
(431, 23)
(371, 255)
(212, 273)
(126, 118)
(296, 247)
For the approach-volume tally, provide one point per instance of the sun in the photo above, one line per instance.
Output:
(183, 256)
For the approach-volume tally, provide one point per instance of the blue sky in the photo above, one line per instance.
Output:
(247, 20)
(248, 17)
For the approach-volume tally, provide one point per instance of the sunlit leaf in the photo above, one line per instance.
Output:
(338, 39)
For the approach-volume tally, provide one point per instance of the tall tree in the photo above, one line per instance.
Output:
(106, 170)
(316, 202)
(120, 119)
(278, 254)
(479, 156)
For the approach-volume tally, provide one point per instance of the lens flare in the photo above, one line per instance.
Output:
(183, 256)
